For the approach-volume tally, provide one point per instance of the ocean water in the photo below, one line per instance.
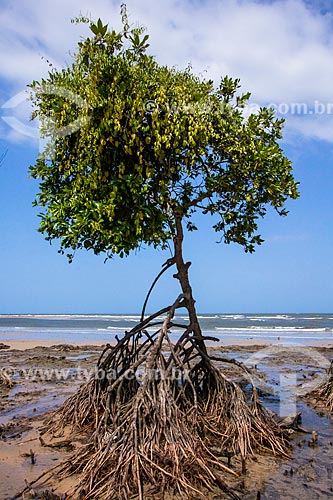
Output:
(288, 329)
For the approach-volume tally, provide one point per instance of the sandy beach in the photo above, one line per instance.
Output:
(45, 373)
(22, 345)
(32, 343)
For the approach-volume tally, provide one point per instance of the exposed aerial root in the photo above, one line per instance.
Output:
(162, 419)
(325, 392)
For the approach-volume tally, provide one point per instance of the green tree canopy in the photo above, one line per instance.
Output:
(150, 143)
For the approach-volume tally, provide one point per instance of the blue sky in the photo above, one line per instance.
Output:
(282, 51)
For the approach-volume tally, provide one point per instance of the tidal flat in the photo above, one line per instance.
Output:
(42, 377)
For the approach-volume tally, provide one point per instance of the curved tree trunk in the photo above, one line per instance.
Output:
(182, 276)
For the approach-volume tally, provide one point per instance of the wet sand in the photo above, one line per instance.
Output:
(232, 341)
(31, 343)
(46, 373)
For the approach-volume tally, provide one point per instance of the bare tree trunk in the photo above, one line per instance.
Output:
(182, 276)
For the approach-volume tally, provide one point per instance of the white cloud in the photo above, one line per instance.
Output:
(281, 50)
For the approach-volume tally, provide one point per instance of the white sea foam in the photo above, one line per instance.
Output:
(116, 328)
(261, 336)
(232, 316)
(208, 317)
(124, 317)
(272, 329)
(266, 317)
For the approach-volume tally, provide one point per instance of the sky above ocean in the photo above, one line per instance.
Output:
(282, 51)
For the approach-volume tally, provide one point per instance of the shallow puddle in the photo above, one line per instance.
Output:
(43, 405)
(79, 356)
(309, 475)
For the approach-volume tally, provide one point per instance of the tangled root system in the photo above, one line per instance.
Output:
(162, 419)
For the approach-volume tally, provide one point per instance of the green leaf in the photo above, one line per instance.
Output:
(94, 29)
(147, 144)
